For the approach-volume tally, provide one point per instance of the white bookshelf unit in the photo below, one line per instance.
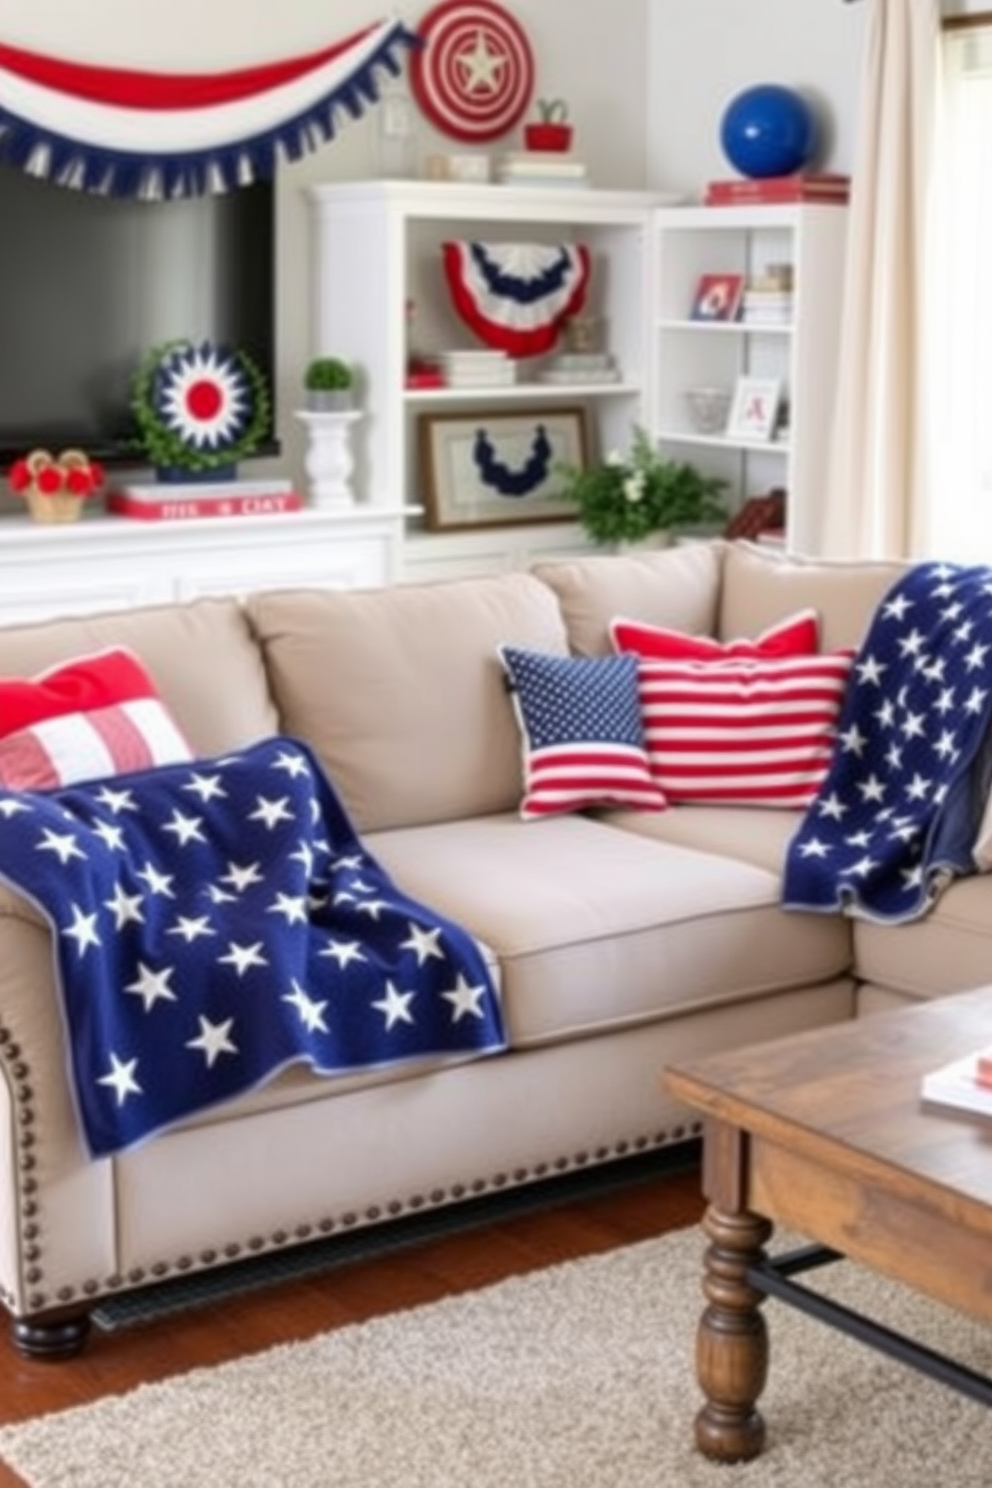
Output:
(378, 252)
(801, 354)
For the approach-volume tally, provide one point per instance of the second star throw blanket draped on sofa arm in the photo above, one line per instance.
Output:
(216, 921)
(897, 815)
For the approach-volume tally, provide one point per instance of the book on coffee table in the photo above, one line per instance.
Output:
(963, 1085)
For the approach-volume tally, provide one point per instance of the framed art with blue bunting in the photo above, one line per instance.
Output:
(492, 467)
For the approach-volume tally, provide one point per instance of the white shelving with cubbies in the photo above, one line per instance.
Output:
(801, 354)
(380, 295)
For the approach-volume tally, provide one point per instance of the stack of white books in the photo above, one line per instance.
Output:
(541, 168)
(477, 368)
(580, 366)
(767, 307)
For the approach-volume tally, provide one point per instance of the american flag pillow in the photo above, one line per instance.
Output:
(93, 716)
(751, 731)
(580, 722)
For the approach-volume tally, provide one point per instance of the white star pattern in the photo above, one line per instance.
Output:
(125, 908)
(191, 929)
(423, 943)
(911, 734)
(121, 1078)
(62, 844)
(311, 1012)
(480, 66)
(152, 986)
(213, 1039)
(186, 828)
(343, 952)
(271, 813)
(243, 957)
(82, 930)
(395, 1006)
(158, 883)
(191, 971)
(465, 999)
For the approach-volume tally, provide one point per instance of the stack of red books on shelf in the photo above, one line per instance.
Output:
(810, 186)
(167, 502)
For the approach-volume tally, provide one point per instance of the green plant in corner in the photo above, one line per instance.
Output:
(198, 407)
(627, 497)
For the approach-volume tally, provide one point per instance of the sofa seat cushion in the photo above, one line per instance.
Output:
(597, 928)
(748, 834)
(401, 693)
(948, 950)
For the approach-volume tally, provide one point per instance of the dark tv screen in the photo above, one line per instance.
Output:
(89, 284)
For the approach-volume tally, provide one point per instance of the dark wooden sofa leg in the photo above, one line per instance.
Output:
(51, 1336)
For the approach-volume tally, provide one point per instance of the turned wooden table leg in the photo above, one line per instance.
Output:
(732, 1340)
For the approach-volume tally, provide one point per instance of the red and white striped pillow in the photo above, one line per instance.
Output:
(752, 731)
(797, 635)
(93, 716)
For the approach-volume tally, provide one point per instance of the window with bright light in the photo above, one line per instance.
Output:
(959, 313)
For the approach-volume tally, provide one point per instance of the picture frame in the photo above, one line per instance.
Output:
(491, 467)
(718, 297)
(754, 410)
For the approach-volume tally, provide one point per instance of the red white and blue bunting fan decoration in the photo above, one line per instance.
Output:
(199, 406)
(517, 296)
(165, 135)
(474, 76)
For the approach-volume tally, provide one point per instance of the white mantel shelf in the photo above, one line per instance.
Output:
(105, 562)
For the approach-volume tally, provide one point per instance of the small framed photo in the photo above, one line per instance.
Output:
(491, 467)
(718, 297)
(754, 410)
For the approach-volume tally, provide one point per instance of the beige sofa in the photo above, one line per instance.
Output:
(624, 940)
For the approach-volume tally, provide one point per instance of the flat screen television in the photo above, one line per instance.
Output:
(89, 284)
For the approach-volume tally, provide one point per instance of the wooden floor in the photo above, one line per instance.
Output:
(460, 1260)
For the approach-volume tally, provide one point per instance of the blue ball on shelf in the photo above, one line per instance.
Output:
(768, 130)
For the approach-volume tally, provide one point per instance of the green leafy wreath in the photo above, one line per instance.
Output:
(198, 406)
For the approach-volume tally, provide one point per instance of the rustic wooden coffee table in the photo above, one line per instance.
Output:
(824, 1132)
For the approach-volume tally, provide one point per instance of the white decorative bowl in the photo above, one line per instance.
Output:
(709, 408)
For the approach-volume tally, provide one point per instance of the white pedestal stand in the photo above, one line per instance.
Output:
(329, 459)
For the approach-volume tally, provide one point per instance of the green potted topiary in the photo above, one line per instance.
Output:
(553, 131)
(330, 385)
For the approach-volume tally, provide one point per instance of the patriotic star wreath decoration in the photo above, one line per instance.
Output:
(517, 296)
(474, 74)
(199, 407)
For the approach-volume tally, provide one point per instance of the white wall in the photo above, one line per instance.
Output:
(702, 53)
(646, 81)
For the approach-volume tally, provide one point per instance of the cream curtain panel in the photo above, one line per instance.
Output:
(875, 497)
(960, 301)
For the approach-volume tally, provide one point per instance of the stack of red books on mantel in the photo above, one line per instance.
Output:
(809, 186)
(169, 502)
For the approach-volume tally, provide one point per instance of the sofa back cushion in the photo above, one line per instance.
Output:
(401, 693)
(678, 587)
(762, 585)
(200, 655)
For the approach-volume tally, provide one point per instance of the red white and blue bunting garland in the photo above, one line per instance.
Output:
(517, 296)
(168, 135)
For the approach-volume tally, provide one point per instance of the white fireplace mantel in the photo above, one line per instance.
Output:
(104, 562)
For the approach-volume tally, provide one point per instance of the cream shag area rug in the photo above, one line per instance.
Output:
(579, 1376)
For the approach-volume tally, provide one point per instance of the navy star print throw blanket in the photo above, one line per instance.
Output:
(217, 921)
(896, 816)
